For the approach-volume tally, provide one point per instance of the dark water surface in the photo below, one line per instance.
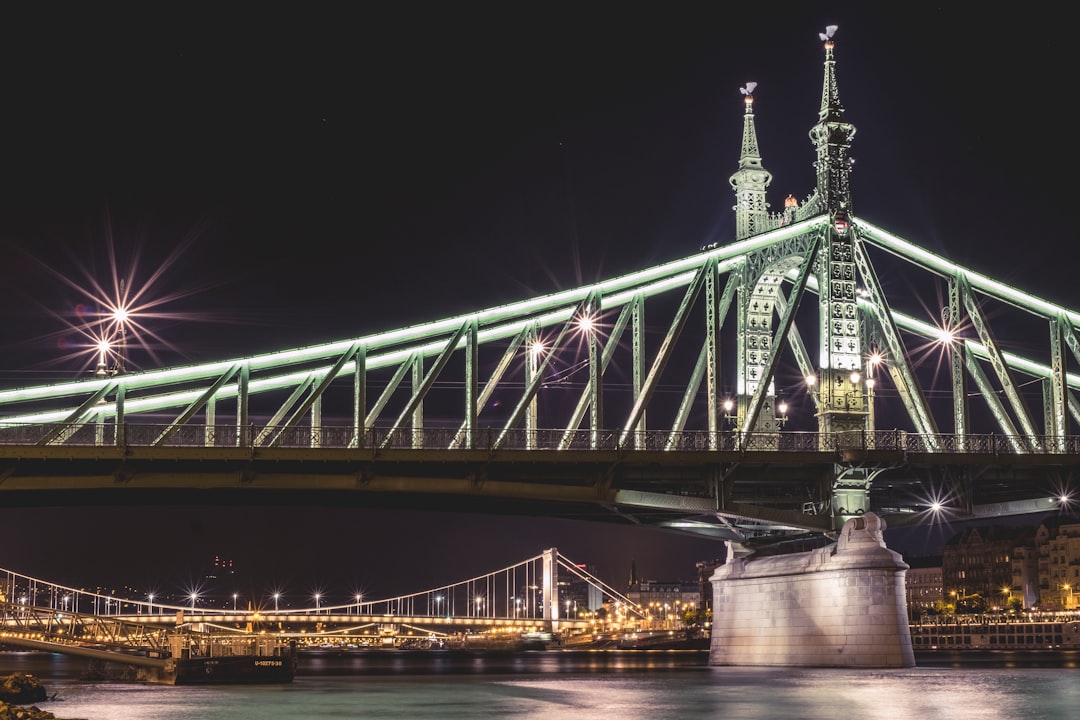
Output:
(563, 686)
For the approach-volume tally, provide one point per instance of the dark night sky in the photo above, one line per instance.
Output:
(315, 173)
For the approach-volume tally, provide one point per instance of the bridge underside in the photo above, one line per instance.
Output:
(728, 495)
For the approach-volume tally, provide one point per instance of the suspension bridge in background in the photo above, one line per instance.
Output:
(533, 603)
(779, 388)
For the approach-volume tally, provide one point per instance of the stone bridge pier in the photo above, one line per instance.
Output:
(838, 606)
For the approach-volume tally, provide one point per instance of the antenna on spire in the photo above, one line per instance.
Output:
(749, 89)
(830, 30)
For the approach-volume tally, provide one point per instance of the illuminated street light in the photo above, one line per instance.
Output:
(317, 596)
(194, 597)
(103, 348)
(234, 602)
(150, 607)
(781, 417)
(276, 597)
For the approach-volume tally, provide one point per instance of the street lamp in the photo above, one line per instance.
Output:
(317, 596)
(276, 596)
(149, 608)
(359, 597)
(234, 602)
(194, 597)
(438, 600)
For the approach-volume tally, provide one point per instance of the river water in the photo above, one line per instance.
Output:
(575, 686)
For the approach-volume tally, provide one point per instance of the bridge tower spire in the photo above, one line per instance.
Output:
(844, 397)
(751, 179)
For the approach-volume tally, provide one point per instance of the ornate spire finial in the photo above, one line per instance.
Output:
(748, 91)
(751, 179)
(830, 94)
(832, 137)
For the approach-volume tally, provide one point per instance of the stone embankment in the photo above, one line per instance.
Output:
(18, 689)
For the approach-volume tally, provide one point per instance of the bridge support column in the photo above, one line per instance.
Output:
(851, 493)
(837, 606)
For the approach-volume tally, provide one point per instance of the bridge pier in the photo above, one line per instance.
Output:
(839, 606)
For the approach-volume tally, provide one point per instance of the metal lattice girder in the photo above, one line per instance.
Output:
(320, 387)
(199, 404)
(155, 390)
(490, 386)
(798, 347)
(708, 362)
(420, 391)
(537, 371)
(997, 361)
(663, 353)
(786, 320)
(77, 417)
(587, 394)
(1005, 423)
(903, 376)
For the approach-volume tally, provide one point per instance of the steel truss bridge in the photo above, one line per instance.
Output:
(545, 594)
(784, 382)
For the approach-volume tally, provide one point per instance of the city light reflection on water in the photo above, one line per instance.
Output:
(559, 686)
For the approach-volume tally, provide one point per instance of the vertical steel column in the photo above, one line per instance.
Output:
(713, 324)
(316, 417)
(359, 397)
(210, 426)
(637, 334)
(418, 411)
(471, 383)
(1057, 424)
(120, 438)
(532, 364)
(951, 321)
(244, 436)
(596, 375)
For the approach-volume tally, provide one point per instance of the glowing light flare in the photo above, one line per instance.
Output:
(811, 380)
(945, 336)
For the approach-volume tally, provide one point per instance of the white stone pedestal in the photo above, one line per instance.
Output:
(837, 606)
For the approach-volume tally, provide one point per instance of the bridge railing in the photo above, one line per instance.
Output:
(436, 438)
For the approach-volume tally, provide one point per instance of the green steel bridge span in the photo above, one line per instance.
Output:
(780, 386)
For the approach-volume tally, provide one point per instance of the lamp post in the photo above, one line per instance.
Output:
(276, 597)
(194, 597)
(359, 597)
(149, 608)
(234, 602)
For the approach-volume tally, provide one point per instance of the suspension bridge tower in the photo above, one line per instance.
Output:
(840, 381)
